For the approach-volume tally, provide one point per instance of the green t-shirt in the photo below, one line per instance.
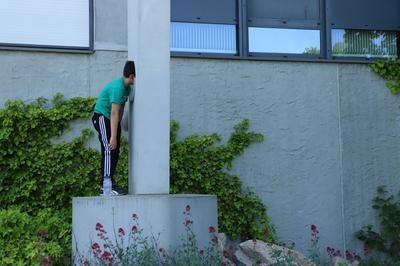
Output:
(113, 92)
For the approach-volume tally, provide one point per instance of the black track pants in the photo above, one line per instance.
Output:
(109, 158)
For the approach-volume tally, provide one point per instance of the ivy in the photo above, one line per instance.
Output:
(27, 240)
(390, 71)
(39, 175)
(197, 166)
(387, 241)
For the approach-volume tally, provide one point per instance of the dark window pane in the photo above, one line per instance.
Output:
(364, 14)
(283, 9)
(204, 11)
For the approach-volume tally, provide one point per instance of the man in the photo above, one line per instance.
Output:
(107, 117)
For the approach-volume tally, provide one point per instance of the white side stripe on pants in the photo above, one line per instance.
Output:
(107, 154)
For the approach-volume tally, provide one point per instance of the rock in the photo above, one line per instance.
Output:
(227, 262)
(221, 241)
(240, 256)
(257, 250)
(299, 258)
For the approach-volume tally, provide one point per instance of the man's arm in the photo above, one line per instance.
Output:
(115, 118)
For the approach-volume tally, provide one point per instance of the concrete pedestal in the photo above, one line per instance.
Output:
(157, 214)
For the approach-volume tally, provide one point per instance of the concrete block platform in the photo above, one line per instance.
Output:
(161, 213)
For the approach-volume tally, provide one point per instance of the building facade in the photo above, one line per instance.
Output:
(331, 127)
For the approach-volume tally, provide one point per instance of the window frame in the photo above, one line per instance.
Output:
(58, 48)
(322, 25)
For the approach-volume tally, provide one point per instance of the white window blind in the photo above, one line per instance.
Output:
(54, 23)
(203, 38)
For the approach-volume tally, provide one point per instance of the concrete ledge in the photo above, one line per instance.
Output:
(158, 214)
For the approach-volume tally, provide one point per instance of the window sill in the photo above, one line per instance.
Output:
(283, 58)
(71, 50)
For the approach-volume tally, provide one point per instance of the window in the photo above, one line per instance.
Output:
(46, 23)
(274, 28)
(203, 38)
(285, 29)
(363, 43)
(204, 26)
(288, 41)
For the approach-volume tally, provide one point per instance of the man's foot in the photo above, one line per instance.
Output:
(115, 191)
(118, 191)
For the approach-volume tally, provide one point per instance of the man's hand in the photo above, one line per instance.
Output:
(113, 143)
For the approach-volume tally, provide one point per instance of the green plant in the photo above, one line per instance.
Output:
(387, 240)
(314, 249)
(198, 166)
(146, 250)
(39, 172)
(40, 238)
(282, 259)
(390, 71)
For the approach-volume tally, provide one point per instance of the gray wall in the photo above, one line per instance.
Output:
(331, 130)
(332, 136)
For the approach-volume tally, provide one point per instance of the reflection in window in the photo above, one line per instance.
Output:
(203, 38)
(364, 43)
(288, 41)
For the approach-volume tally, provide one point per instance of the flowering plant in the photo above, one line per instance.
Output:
(146, 250)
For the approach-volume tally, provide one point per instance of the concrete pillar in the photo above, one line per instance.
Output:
(149, 47)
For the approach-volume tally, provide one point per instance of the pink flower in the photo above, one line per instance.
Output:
(95, 246)
(367, 250)
(214, 239)
(211, 229)
(121, 232)
(42, 234)
(313, 227)
(188, 222)
(46, 261)
(349, 256)
(99, 226)
(134, 229)
(337, 253)
(188, 208)
(106, 255)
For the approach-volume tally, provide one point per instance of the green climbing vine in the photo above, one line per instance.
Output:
(386, 240)
(39, 175)
(197, 166)
(390, 71)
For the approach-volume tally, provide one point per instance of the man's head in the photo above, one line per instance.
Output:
(129, 73)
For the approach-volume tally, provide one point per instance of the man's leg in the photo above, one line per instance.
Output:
(96, 124)
(115, 153)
